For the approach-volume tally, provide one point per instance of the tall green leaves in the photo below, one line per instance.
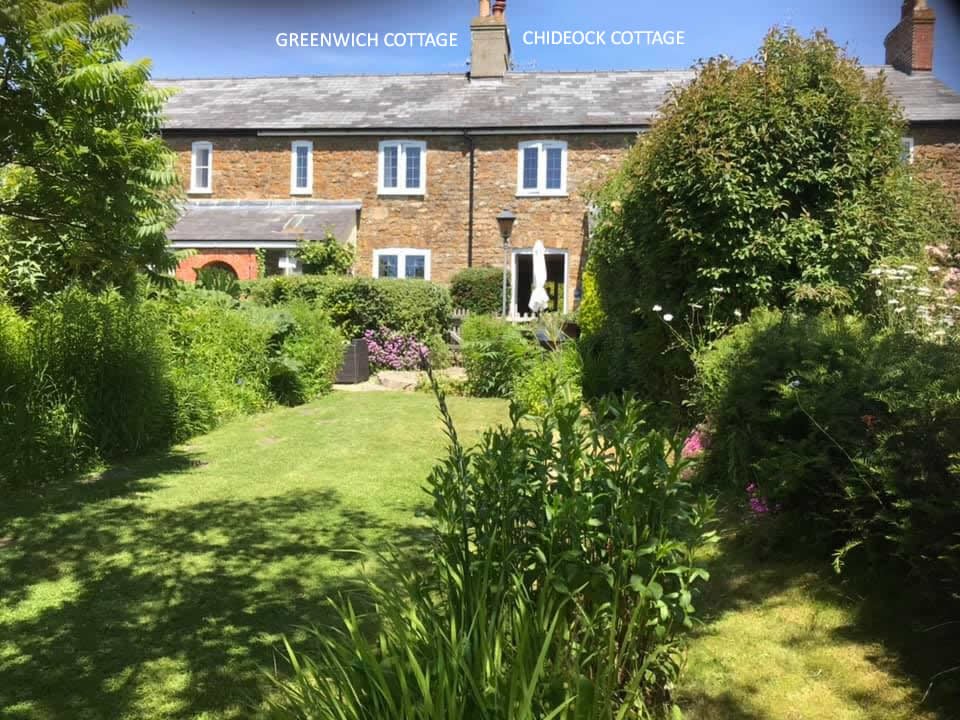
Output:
(561, 579)
(86, 183)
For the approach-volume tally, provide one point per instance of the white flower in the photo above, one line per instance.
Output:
(879, 292)
(893, 302)
(668, 317)
(657, 308)
(737, 314)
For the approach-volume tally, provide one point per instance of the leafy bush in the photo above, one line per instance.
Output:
(85, 378)
(562, 583)
(778, 180)
(219, 280)
(325, 257)
(495, 355)
(314, 349)
(555, 378)
(411, 307)
(479, 290)
(853, 431)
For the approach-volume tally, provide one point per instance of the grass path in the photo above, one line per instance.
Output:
(784, 640)
(158, 590)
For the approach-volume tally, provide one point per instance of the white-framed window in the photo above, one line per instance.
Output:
(301, 167)
(201, 167)
(402, 167)
(542, 168)
(906, 150)
(410, 263)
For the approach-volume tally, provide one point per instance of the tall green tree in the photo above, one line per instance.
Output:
(774, 182)
(87, 186)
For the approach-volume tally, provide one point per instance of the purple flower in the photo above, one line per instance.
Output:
(391, 350)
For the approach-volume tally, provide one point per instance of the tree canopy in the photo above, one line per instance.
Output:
(87, 186)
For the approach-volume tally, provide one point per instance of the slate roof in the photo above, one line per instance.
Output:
(263, 220)
(520, 100)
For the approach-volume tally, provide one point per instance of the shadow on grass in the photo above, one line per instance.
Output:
(110, 608)
(747, 571)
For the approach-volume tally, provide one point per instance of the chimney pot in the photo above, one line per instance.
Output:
(484, 8)
(499, 7)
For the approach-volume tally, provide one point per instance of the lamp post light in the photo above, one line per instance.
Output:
(505, 220)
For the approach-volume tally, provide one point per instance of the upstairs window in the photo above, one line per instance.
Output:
(201, 167)
(301, 167)
(542, 168)
(906, 150)
(403, 167)
(409, 263)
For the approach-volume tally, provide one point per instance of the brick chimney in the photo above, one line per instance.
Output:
(910, 44)
(490, 42)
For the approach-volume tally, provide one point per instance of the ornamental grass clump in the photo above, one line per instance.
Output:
(562, 579)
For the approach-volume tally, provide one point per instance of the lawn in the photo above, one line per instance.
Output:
(158, 589)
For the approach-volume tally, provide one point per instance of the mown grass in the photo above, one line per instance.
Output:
(159, 589)
(786, 639)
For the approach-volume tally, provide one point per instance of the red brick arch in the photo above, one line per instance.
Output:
(242, 262)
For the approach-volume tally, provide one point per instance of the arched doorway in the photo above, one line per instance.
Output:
(221, 266)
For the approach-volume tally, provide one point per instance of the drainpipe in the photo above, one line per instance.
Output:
(472, 145)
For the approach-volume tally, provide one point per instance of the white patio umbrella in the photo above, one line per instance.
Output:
(538, 296)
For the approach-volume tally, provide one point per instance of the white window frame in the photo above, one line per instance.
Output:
(401, 254)
(402, 188)
(194, 148)
(907, 146)
(541, 190)
(294, 146)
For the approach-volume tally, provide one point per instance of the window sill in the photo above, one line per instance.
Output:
(389, 192)
(194, 191)
(554, 194)
(301, 193)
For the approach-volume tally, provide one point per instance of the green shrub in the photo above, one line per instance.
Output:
(315, 349)
(561, 585)
(412, 307)
(554, 378)
(221, 359)
(778, 180)
(219, 280)
(495, 355)
(850, 430)
(479, 290)
(85, 379)
(325, 257)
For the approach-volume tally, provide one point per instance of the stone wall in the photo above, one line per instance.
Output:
(345, 168)
(937, 154)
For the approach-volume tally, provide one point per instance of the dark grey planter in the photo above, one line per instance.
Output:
(356, 364)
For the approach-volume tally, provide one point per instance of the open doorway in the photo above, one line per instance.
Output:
(522, 281)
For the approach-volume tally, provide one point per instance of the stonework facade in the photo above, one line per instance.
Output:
(937, 155)
(249, 167)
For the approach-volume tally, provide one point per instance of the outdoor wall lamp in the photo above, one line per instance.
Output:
(505, 220)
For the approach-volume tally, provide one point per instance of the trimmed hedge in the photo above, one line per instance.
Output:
(479, 290)
(412, 307)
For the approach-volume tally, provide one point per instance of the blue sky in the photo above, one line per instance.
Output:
(206, 38)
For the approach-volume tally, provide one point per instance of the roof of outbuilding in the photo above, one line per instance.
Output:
(282, 221)
(520, 100)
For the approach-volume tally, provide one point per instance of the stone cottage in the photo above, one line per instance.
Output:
(413, 169)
